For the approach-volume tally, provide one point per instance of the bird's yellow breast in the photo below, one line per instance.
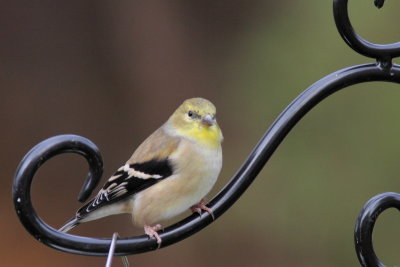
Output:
(209, 136)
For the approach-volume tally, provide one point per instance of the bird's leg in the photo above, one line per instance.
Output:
(151, 231)
(199, 207)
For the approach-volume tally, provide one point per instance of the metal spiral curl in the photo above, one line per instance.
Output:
(382, 70)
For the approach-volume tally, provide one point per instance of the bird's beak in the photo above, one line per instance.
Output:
(208, 120)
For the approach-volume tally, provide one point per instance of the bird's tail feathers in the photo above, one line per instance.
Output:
(69, 225)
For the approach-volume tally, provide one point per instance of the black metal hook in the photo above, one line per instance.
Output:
(365, 225)
(382, 52)
(29, 166)
(225, 199)
(240, 181)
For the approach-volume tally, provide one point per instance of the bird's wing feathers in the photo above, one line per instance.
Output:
(134, 177)
(159, 145)
(127, 181)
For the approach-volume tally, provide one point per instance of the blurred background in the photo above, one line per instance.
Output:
(113, 71)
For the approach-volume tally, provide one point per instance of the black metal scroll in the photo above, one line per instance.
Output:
(365, 225)
(382, 70)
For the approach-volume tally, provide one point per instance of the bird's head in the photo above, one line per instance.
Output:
(195, 119)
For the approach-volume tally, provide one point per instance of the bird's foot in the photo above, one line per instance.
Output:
(151, 231)
(199, 207)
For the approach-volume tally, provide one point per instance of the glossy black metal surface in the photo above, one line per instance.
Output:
(383, 70)
(29, 166)
(365, 225)
(379, 51)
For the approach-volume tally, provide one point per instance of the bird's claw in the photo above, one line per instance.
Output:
(151, 231)
(198, 208)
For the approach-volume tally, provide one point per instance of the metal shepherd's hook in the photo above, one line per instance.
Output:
(382, 70)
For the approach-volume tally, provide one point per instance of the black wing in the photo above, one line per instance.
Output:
(128, 180)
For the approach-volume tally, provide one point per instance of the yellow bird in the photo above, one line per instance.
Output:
(170, 172)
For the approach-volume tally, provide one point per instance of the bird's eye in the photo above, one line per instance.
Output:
(190, 113)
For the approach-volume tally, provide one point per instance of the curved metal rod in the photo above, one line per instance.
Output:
(382, 52)
(383, 71)
(225, 199)
(365, 225)
(29, 166)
